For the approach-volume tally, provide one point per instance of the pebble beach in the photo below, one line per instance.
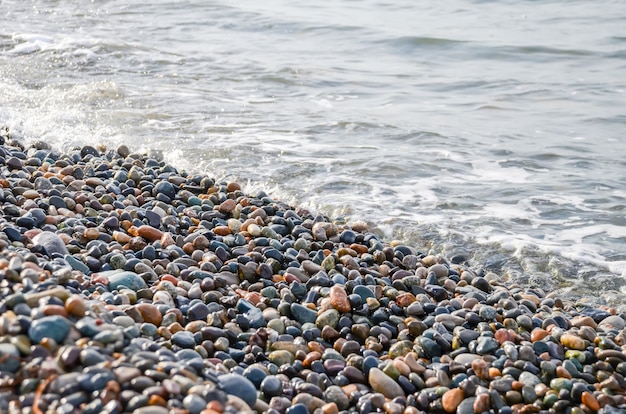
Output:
(129, 286)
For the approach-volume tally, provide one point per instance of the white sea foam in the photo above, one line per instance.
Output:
(486, 170)
(378, 124)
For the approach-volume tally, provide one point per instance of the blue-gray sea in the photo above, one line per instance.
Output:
(488, 130)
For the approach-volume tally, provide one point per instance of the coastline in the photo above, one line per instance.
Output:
(129, 286)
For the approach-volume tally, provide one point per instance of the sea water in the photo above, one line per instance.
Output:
(489, 131)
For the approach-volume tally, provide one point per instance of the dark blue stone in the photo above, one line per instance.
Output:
(55, 327)
(369, 362)
(25, 221)
(239, 386)
(13, 234)
(297, 409)
(184, 339)
(165, 188)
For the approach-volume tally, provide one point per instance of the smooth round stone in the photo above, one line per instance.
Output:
(486, 345)
(303, 314)
(281, 357)
(198, 311)
(364, 292)
(51, 242)
(369, 362)
(239, 386)
(560, 384)
(430, 346)
(184, 339)
(400, 348)
(329, 317)
(187, 354)
(255, 374)
(333, 366)
(89, 357)
(467, 335)
(9, 358)
(528, 378)
(152, 409)
(124, 321)
(276, 324)
(148, 329)
(124, 279)
(271, 386)
(613, 322)
(487, 313)
(573, 342)
(194, 403)
(165, 188)
(55, 327)
(451, 399)
(466, 358)
(382, 383)
(297, 409)
(466, 406)
(335, 394)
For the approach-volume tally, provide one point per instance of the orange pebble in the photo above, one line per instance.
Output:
(315, 346)
(563, 373)
(221, 230)
(538, 334)
(121, 237)
(330, 408)
(188, 248)
(54, 310)
(359, 248)
(215, 405)
(149, 313)
(169, 278)
(451, 399)
(590, 401)
(157, 400)
(310, 358)
(494, 372)
(91, 233)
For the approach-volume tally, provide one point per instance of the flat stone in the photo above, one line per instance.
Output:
(184, 339)
(118, 279)
(303, 314)
(239, 386)
(613, 322)
(55, 327)
(77, 264)
(382, 383)
(466, 358)
(51, 242)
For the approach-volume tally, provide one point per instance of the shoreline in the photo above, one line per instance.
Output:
(129, 286)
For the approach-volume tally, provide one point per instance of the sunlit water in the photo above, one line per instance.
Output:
(490, 129)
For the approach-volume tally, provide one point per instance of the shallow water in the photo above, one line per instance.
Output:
(488, 129)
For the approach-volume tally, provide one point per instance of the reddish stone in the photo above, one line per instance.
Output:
(149, 313)
(502, 335)
(339, 299)
(451, 399)
(149, 233)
